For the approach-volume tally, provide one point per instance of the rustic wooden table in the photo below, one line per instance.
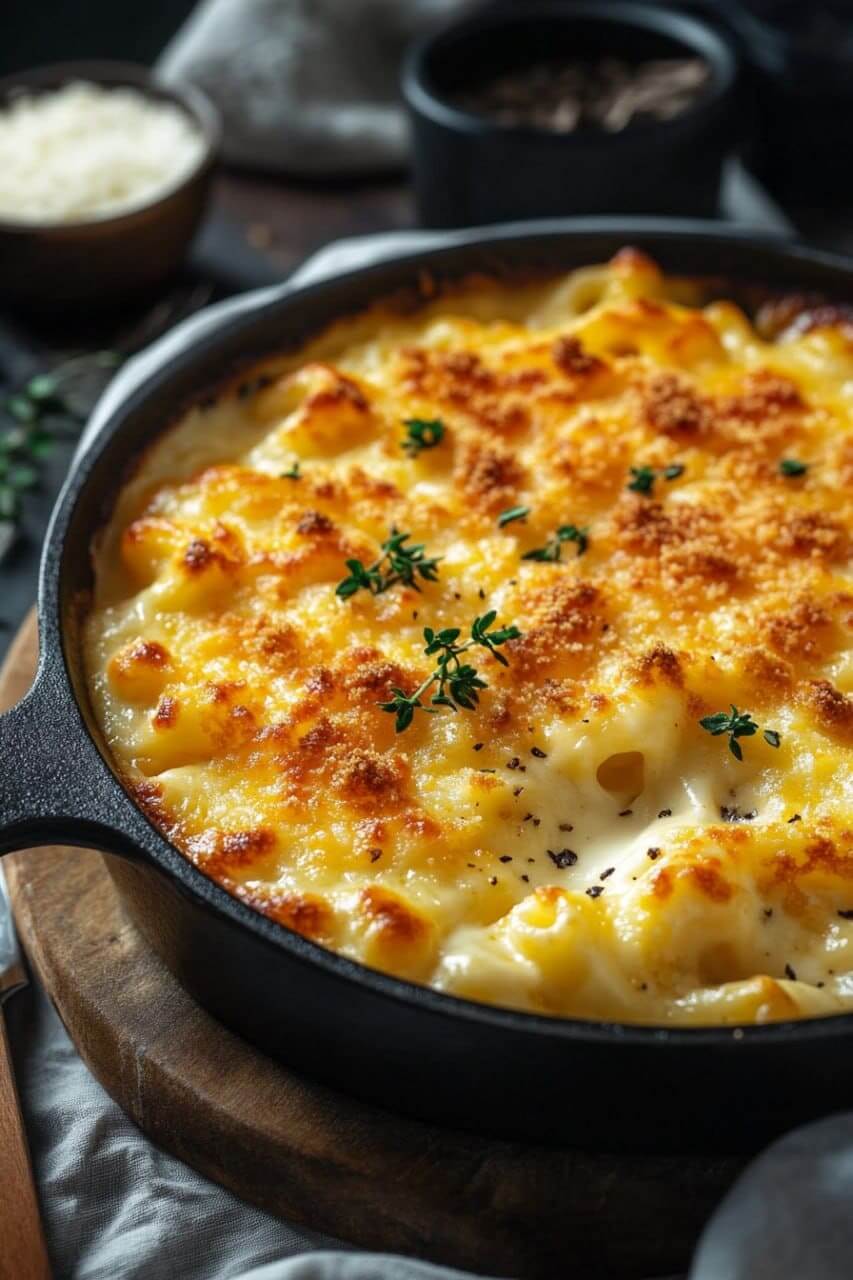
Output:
(287, 221)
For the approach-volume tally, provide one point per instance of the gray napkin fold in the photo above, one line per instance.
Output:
(353, 1266)
(790, 1214)
(115, 1206)
(309, 86)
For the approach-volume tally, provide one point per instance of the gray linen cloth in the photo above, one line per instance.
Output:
(308, 86)
(118, 1208)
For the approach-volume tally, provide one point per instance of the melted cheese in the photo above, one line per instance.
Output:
(577, 844)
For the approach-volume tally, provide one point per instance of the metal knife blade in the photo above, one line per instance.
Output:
(13, 973)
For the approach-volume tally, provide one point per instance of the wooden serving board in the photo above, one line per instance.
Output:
(317, 1157)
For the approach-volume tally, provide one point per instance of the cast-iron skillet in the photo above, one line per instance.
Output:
(402, 1046)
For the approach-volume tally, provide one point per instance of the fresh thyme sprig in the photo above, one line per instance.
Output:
(403, 565)
(294, 473)
(422, 433)
(551, 552)
(792, 467)
(44, 411)
(738, 724)
(643, 478)
(458, 683)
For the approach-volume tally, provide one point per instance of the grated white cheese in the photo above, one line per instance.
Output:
(85, 151)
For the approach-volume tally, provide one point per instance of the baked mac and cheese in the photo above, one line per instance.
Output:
(504, 645)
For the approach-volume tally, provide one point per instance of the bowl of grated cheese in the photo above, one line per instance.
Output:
(104, 176)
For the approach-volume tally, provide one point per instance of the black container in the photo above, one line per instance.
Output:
(800, 61)
(469, 169)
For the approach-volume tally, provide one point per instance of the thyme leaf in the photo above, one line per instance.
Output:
(737, 724)
(551, 551)
(643, 478)
(456, 684)
(422, 433)
(512, 513)
(398, 563)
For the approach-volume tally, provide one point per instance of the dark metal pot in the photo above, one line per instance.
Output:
(399, 1045)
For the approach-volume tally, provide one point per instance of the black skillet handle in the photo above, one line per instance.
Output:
(54, 786)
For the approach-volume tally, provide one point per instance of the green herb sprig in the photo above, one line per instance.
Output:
(458, 684)
(643, 478)
(398, 563)
(512, 513)
(792, 467)
(422, 433)
(294, 473)
(552, 550)
(738, 724)
(15, 478)
(48, 408)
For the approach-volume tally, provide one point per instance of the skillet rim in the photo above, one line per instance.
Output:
(185, 876)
